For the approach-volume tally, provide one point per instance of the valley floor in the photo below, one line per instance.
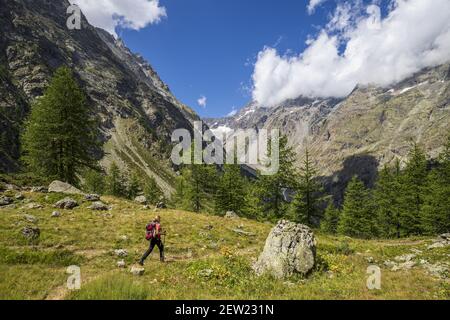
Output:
(206, 258)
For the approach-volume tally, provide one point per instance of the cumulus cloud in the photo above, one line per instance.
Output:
(130, 14)
(202, 101)
(313, 4)
(415, 34)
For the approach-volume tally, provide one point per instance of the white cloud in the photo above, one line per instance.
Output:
(414, 35)
(130, 14)
(202, 101)
(233, 112)
(313, 4)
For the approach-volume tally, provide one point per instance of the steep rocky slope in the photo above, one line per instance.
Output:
(136, 110)
(369, 128)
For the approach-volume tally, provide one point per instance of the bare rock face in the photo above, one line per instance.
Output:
(62, 187)
(290, 248)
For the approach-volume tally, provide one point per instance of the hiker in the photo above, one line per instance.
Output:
(154, 233)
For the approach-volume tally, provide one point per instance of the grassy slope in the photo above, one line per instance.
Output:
(88, 239)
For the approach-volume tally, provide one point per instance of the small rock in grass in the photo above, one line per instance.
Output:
(30, 218)
(206, 273)
(66, 203)
(141, 200)
(99, 206)
(121, 264)
(137, 270)
(4, 201)
(92, 197)
(56, 214)
(19, 196)
(31, 233)
(122, 253)
(231, 215)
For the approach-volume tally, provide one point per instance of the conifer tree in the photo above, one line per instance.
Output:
(306, 201)
(387, 196)
(134, 186)
(330, 221)
(436, 211)
(356, 217)
(115, 182)
(230, 194)
(152, 191)
(273, 187)
(413, 191)
(94, 181)
(59, 137)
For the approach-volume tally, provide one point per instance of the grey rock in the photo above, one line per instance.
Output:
(99, 206)
(404, 266)
(137, 271)
(4, 201)
(19, 196)
(161, 205)
(244, 233)
(66, 203)
(62, 187)
(30, 218)
(405, 258)
(92, 197)
(122, 253)
(206, 273)
(56, 214)
(33, 206)
(121, 264)
(39, 189)
(290, 248)
(141, 200)
(231, 215)
(31, 233)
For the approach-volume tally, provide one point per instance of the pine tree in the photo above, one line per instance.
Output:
(152, 191)
(413, 188)
(436, 210)
(330, 221)
(134, 186)
(94, 181)
(387, 196)
(59, 137)
(306, 201)
(273, 187)
(356, 217)
(252, 202)
(230, 194)
(115, 182)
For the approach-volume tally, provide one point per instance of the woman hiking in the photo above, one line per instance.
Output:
(154, 233)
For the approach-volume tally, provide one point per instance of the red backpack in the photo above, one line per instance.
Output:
(153, 231)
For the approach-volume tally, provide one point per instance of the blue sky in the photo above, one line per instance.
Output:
(217, 55)
(208, 47)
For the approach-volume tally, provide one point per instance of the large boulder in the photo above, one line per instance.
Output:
(62, 187)
(290, 248)
(66, 203)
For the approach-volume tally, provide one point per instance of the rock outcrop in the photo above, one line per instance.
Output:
(290, 248)
(62, 187)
